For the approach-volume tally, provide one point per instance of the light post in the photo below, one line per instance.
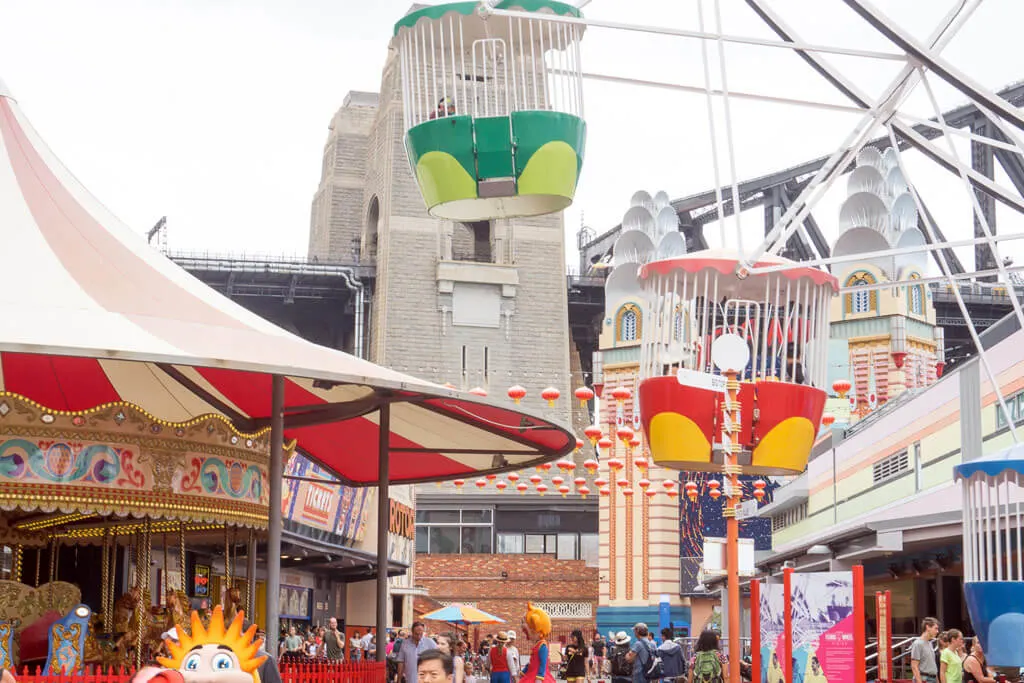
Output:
(730, 355)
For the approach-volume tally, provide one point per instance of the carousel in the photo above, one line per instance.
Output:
(143, 415)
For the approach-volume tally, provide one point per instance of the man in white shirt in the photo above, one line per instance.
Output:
(365, 644)
(513, 657)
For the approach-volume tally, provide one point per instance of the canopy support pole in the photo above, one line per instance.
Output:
(383, 518)
(250, 575)
(275, 475)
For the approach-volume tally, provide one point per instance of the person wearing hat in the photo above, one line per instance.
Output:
(514, 665)
(498, 655)
(621, 665)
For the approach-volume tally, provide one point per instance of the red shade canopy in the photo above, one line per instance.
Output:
(92, 315)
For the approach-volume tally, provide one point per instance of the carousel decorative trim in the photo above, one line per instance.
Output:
(49, 414)
(630, 558)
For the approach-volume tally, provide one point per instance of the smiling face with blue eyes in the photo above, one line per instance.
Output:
(213, 664)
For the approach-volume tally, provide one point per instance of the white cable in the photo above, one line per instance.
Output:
(944, 266)
(736, 212)
(960, 168)
(711, 123)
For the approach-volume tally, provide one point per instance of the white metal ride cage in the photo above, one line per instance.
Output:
(467, 64)
(992, 530)
(693, 300)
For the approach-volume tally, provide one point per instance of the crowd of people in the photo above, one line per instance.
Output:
(944, 657)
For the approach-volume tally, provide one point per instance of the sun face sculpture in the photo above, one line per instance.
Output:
(216, 655)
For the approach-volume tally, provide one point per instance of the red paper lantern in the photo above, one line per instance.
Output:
(579, 444)
(579, 481)
(459, 483)
(583, 491)
(565, 465)
(624, 433)
(593, 432)
(668, 484)
(516, 393)
(501, 486)
(513, 477)
(899, 358)
(759, 495)
(841, 386)
(691, 490)
(605, 492)
(481, 483)
(615, 464)
(635, 441)
(671, 493)
(827, 419)
(651, 493)
(557, 481)
(491, 477)
(641, 464)
(564, 490)
(628, 493)
(544, 467)
(644, 484)
(478, 391)
(621, 394)
(522, 488)
(584, 394)
(550, 395)
(542, 489)
(591, 465)
(536, 479)
(623, 482)
(604, 443)
(600, 482)
(714, 487)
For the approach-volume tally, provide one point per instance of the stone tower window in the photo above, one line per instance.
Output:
(473, 242)
(861, 302)
(372, 222)
(627, 323)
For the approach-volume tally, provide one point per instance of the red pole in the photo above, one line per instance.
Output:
(755, 631)
(787, 624)
(888, 631)
(859, 638)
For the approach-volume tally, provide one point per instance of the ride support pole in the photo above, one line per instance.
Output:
(732, 529)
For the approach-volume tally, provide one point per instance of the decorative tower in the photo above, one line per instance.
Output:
(639, 513)
(887, 335)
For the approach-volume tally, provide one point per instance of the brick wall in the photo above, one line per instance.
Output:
(478, 579)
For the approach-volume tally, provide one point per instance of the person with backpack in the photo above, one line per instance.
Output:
(647, 664)
(671, 656)
(708, 664)
(621, 669)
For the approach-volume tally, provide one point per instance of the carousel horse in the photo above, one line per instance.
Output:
(232, 599)
(214, 653)
(177, 612)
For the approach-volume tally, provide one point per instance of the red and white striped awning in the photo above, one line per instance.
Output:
(90, 314)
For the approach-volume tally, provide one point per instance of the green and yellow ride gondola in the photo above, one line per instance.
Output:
(493, 108)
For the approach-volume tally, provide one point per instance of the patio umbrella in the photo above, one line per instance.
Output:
(463, 614)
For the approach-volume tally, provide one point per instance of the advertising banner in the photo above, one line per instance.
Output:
(773, 632)
(824, 648)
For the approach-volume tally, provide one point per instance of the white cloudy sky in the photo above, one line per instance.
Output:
(214, 112)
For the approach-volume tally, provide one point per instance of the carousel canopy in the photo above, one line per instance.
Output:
(91, 315)
(994, 464)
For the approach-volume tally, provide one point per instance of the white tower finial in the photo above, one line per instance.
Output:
(4, 91)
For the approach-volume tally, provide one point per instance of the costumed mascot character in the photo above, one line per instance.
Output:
(210, 655)
(538, 625)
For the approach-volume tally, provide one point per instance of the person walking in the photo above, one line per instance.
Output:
(975, 668)
(922, 656)
(498, 656)
(641, 653)
(671, 656)
(618, 658)
(708, 661)
(515, 665)
(576, 658)
(411, 648)
(334, 645)
(951, 668)
(598, 648)
(446, 644)
(433, 667)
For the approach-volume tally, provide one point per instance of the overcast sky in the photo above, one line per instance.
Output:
(214, 112)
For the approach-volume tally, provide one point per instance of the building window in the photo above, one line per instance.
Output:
(1015, 404)
(453, 532)
(567, 610)
(627, 323)
(789, 517)
(917, 300)
(564, 546)
(890, 466)
(473, 241)
(861, 302)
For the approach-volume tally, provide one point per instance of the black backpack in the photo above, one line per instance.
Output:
(653, 667)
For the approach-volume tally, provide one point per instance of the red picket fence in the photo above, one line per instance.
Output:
(334, 672)
(340, 672)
